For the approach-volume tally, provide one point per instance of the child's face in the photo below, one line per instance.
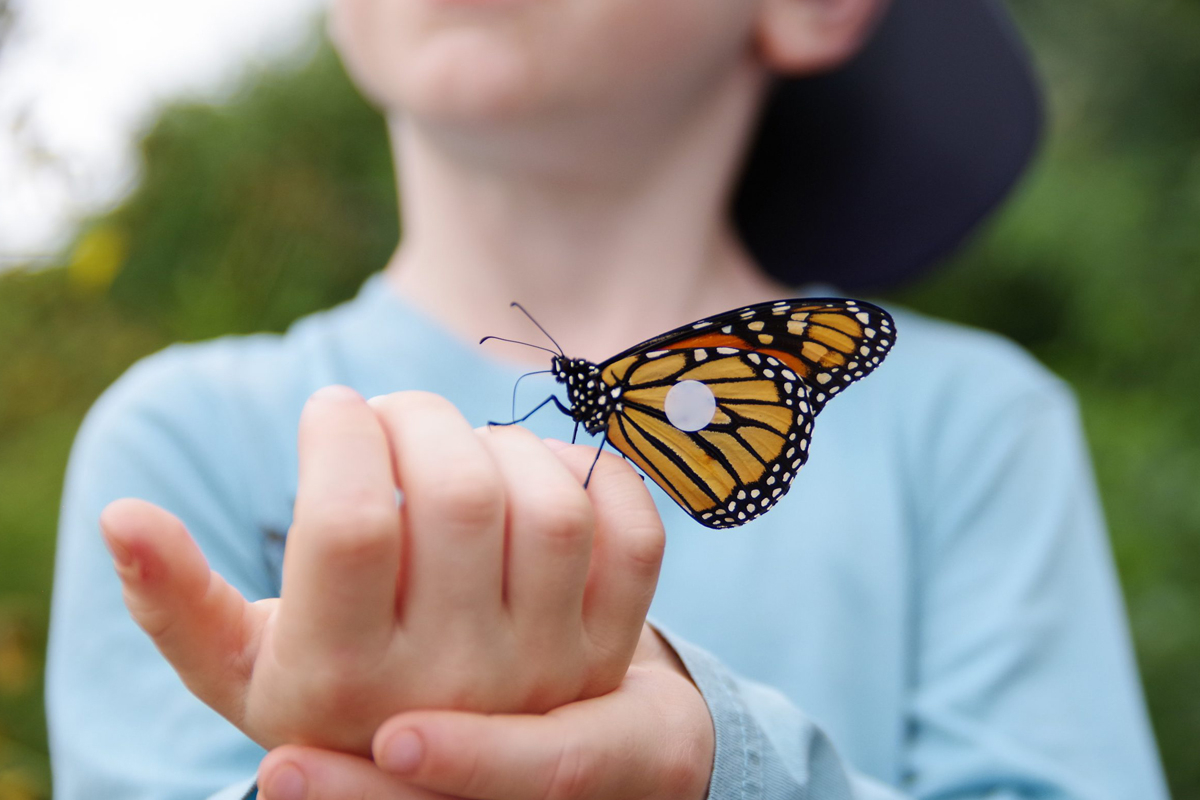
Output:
(478, 60)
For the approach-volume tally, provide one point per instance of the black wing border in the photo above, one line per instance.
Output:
(735, 315)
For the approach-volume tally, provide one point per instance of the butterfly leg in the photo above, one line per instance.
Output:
(575, 433)
(592, 469)
(552, 398)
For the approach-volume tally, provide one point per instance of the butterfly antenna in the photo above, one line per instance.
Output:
(518, 383)
(515, 304)
(514, 341)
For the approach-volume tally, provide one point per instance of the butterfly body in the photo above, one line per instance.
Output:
(719, 413)
(591, 401)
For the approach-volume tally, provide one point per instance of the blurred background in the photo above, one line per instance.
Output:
(177, 173)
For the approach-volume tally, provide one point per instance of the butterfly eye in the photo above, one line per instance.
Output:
(690, 406)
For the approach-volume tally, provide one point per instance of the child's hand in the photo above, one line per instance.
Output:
(652, 738)
(498, 586)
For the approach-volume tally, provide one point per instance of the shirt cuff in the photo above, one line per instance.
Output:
(737, 762)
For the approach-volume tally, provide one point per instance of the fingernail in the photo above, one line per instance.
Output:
(335, 393)
(556, 444)
(286, 783)
(402, 753)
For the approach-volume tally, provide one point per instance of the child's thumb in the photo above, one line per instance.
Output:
(200, 623)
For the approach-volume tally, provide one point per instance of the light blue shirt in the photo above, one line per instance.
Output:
(930, 613)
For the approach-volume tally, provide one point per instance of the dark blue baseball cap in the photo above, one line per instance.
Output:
(866, 176)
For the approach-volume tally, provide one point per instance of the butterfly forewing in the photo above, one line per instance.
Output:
(725, 469)
(829, 343)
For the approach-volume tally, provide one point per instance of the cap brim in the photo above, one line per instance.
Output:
(866, 176)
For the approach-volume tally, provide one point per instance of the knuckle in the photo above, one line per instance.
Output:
(644, 547)
(573, 774)
(683, 774)
(158, 624)
(335, 687)
(473, 780)
(683, 768)
(348, 530)
(564, 520)
(472, 497)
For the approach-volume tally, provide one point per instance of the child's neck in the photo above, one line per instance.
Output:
(606, 242)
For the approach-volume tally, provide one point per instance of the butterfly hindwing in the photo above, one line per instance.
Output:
(727, 469)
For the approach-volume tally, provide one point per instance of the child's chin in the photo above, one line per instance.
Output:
(465, 76)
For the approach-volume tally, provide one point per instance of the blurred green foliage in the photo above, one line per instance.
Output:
(1095, 267)
(280, 200)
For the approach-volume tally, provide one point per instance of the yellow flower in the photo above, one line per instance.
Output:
(16, 667)
(97, 259)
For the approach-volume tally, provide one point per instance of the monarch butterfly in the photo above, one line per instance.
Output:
(719, 413)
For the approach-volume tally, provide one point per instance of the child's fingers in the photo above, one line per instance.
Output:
(510, 756)
(453, 512)
(202, 625)
(550, 526)
(294, 772)
(342, 560)
(627, 553)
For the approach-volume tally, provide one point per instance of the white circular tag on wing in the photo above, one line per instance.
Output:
(690, 406)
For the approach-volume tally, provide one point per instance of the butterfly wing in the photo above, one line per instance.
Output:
(828, 342)
(737, 464)
(770, 369)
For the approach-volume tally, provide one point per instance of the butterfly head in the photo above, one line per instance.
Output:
(586, 391)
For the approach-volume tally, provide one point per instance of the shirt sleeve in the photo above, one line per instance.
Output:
(121, 722)
(1023, 683)
(242, 790)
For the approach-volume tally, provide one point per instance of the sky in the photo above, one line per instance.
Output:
(80, 78)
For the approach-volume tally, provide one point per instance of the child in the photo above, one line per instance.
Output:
(930, 612)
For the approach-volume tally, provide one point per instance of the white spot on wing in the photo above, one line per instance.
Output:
(690, 406)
